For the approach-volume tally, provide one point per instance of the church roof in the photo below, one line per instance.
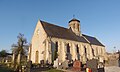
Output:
(92, 40)
(61, 32)
(65, 33)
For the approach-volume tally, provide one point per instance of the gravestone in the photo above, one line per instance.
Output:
(93, 65)
(77, 65)
(101, 67)
(24, 69)
(55, 63)
(42, 63)
(64, 65)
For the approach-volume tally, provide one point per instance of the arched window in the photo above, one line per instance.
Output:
(69, 57)
(36, 57)
(55, 51)
(85, 50)
(77, 48)
(68, 48)
(96, 51)
(93, 52)
(78, 54)
(78, 27)
(56, 46)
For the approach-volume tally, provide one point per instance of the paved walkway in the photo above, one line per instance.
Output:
(112, 69)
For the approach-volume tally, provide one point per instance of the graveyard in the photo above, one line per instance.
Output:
(92, 65)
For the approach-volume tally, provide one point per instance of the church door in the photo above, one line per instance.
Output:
(36, 57)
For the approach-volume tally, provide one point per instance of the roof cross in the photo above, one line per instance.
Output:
(73, 16)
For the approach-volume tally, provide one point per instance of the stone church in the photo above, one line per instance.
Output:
(50, 42)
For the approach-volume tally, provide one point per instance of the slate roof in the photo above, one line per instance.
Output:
(65, 33)
(92, 40)
(61, 32)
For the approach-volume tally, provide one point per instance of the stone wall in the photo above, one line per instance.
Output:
(37, 44)
(83, 56)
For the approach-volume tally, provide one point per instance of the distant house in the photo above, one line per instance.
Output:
(50, 42)
(8, 58)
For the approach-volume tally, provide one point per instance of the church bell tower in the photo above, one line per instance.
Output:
(74, 25)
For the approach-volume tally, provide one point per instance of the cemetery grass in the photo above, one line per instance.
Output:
(54, 70)
(5, 69)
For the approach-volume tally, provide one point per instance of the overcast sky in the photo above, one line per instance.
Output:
(99, 18)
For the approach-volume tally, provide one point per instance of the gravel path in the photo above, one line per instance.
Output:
(112, 69)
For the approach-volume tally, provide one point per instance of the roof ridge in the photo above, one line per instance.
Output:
(89, 38)
(88, 35)
(53, 24)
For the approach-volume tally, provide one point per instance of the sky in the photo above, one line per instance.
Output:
(99, 18)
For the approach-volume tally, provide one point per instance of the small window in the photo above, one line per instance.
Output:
(74, 25)
(38, 32)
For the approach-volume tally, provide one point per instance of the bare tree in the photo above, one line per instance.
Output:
(20, 49)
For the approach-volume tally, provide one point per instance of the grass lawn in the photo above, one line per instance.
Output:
(5, 69)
